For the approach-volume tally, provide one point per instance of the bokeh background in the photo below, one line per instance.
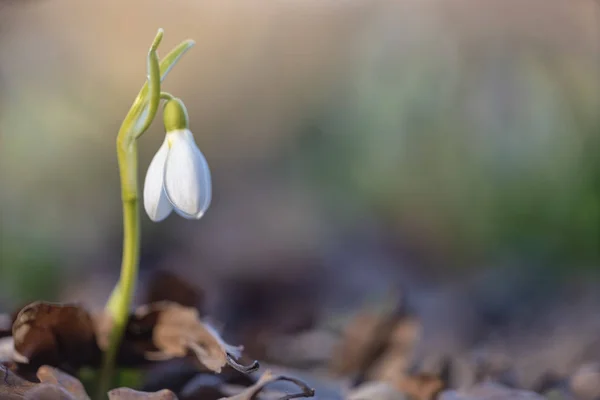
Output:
(446, 149)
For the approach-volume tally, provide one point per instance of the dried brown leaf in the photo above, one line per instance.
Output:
(253, 391)
(392, 365)
(130, 394)
(365, 338)
(365, 335)
(55, 334)
(54, 385)
(54, 376)
(48, 392)
(421, 386)
(12, 387)
(178, 331)
(166, 330)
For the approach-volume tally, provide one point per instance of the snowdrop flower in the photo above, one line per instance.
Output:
(178, 177)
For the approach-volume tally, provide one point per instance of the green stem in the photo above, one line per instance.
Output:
(127, 157)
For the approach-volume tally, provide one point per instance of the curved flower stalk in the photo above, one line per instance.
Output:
(178, 177)
(136, 122)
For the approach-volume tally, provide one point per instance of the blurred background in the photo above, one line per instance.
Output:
(442, 149)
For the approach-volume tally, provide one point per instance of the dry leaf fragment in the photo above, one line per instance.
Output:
(47, 392)
(392, 364)
(54, 385)
(130, 394)
(12, 386)
(365, 338)
(54, 376)
(253, 391)
(166, 330)
(55, 334)
(421, 386)
(179, 331)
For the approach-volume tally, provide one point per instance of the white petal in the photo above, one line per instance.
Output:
(156, 203)
(187, 176)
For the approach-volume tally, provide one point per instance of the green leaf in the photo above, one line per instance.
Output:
(142, 112)
(169, 62)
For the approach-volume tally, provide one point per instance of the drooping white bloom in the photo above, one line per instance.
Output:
(178, 178)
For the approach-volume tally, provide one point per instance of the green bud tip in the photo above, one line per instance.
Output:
(157, 39)
(175, 115)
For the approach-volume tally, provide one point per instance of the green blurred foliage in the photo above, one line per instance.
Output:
(30, 271)
(523, 178)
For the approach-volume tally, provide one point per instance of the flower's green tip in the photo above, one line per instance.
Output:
(157, 39)
(175, 116)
